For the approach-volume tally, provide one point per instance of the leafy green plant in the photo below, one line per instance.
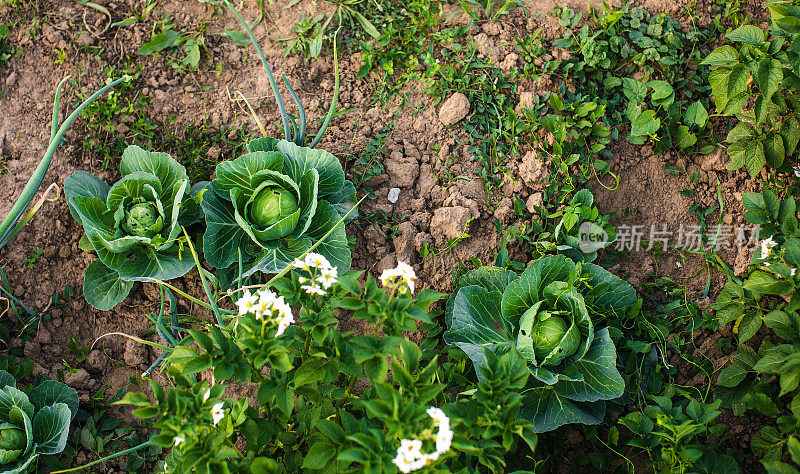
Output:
(33, 424)
(579, 225)
(309, 412)
(761, 72)
(615, 42)
(488, 9)
(274, 203)
(675, 435)
(548, 315)
(134, 225)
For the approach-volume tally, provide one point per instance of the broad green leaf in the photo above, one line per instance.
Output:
(685, 138)
(754, 158)
(524, 292)
(477, 324)
(789, 24)
(748, 34)
(366, 24)
(7, 380)
(319, 454)
(11, 397)
(661, 89)
(548, 410)
(50, 392)
(645, 124)
(51, 428)
(609, 293)
(769, 76)
(103, 288)
(168, 171)
(299, 160)
(335, 247)
(722, 56)
(81, 183)
(262, 144)
(164, 265)
(601, 379)
(161, 41)
(696, 114)
(490, 278)
(239, 173)
(790, 130)
(223, 237)
(308, 185)
(731, 376)
(774, 153)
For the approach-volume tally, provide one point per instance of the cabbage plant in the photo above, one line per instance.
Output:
(134, 225)
(33, 424)
(547, 314)
(270, 206)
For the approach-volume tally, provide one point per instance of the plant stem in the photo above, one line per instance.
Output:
(121, 453)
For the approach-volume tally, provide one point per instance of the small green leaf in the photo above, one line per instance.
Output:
(696, 114)
(161, 41)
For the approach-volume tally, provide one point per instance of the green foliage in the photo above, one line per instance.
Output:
(239, 204)
(490, 10)
(675, 436)
(135, 225)
(191, 43)
(333, 399)
(760, 71)
(764, 374)
(33, 424)
(664, 106)
(573, 366)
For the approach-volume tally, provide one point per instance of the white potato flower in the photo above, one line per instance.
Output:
(247, 303)
(217, 412)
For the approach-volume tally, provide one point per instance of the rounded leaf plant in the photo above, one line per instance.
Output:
(33, 424)
(134, 225)
(547, 314)
(271, 205)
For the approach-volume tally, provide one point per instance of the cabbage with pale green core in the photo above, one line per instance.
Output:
(271, 205)
(33, 423)
(551, 335)
(143, 220)
(12, 442)
(134, 225)
(546, 314)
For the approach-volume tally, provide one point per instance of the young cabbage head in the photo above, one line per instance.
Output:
(33, 422)
(144, 220)
(12, 442)
(543, 315)
(270, 205)
(551, 336)
(134, 225)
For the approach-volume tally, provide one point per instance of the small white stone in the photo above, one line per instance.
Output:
(393, 195)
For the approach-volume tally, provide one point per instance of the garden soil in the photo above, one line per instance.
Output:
(424, 148)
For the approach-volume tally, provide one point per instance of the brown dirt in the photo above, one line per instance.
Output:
(430, 208)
